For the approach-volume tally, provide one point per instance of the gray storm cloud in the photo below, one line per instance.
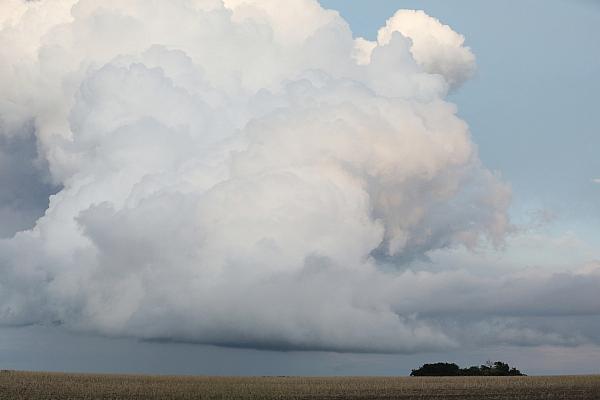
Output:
(245, 174)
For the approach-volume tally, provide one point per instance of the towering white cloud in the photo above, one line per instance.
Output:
(246, 174)
(434, 46)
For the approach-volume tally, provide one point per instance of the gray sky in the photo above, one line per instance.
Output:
(51, 349)
(264, 181)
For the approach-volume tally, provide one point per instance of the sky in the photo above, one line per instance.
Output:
(339, 188)
(531, 106)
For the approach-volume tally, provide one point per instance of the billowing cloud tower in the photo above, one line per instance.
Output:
(235, 172)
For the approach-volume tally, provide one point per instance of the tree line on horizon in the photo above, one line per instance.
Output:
(497, 368)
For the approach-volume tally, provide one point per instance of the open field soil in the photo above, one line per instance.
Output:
(43, 385)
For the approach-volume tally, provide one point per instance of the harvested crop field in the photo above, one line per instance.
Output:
(43, 385)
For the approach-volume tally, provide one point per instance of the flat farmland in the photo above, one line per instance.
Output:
(45, 385)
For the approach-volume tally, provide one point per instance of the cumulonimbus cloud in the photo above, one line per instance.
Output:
(241, 173)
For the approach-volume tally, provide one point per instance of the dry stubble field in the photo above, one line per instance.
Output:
(44, 385)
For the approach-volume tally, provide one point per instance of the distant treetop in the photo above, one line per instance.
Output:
(450, 369)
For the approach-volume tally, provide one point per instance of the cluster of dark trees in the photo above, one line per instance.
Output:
(450, 369)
